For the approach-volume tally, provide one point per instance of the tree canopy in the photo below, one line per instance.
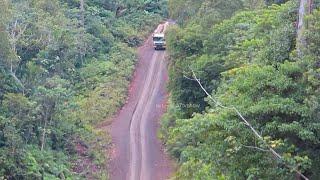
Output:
(64, 67)
(246, 59)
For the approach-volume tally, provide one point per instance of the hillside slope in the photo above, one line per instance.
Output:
(248, 62)
(65, 66)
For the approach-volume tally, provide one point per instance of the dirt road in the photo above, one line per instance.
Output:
(138, 154)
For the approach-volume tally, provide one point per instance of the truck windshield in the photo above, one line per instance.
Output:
(158, 39)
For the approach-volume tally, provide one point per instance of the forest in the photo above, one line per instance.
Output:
(64, 67)
(244, 89)
(244, 86)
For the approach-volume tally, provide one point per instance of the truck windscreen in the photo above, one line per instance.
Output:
(158, 39)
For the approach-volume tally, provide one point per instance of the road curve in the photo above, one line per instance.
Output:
(137, 152)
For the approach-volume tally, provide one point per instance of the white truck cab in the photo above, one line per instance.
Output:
(158, 37)
(159, 41)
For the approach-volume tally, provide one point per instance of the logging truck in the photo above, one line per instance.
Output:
(158, 37)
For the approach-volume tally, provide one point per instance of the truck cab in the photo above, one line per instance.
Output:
(159, 41)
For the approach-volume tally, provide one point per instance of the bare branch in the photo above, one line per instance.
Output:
(21, 32)
(188, 78)
(254, 147)
(18, 81)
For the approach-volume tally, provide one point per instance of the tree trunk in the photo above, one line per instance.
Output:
(82, 22)
(16, 32)
(304, 9)
(82, 12)
(43, 137)
(18, 81)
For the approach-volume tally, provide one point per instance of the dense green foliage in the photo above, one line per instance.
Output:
(247, 61)
(64, 69)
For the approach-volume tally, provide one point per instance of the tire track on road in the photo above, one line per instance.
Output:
(135, 136)
(138, 153)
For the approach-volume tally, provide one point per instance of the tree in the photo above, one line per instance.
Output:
(49, 99)
(237, 62)
(16, 30)
(305, 9)
(63, 64)
(4, 41)
(82, 45)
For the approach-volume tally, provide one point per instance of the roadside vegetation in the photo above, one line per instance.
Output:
(64, 67)
(245, 55)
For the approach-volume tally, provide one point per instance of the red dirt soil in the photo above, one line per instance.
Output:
(138, 154)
